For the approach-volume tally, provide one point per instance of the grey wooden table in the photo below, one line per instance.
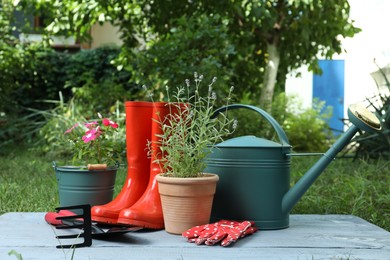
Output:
(308, 237)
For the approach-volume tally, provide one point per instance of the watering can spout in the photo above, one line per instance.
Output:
(304, 183)
(361, 119)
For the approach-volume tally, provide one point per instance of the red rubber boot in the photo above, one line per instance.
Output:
(138, 131)
(147, 211)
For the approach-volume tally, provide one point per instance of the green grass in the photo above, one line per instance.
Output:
(360, 188)
(28, 182)
(347, 186)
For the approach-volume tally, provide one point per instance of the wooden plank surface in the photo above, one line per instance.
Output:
(308, 237)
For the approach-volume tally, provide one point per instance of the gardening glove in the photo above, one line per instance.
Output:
(230, 234)
(225, 231)
(200, 234)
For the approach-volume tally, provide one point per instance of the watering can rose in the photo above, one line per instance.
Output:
(97, 143)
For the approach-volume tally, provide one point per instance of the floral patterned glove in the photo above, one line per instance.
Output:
(200, 234)
(225, 231)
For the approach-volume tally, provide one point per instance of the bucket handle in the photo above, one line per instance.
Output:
(281, 134)
(55, 165)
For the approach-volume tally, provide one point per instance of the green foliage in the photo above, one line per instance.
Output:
(50, 69)
(17, 77)
(28, 94)
(51, 139)
(20, 82)
(6, 18)
(357, 187)
(308, 131)
(96, 81)
(32, 77)
(22, 90)
(16, 254)
(306, 128)
(94, 142)
(30, 74)
(376, 145)
(193, 44)
(228, 36)
(188, 131)
(164, 41)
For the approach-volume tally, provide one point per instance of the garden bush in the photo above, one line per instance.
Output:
(50, 140)
(376, 145)
(35, 79)
(194, 44)
(96, 81)
(306, 128)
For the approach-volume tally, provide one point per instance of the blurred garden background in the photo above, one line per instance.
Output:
(65, 61)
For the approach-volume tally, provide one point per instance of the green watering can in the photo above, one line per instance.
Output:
(254, 173)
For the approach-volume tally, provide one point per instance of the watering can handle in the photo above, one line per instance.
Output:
(281, 134)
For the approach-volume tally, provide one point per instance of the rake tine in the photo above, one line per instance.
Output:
(70, 236)
(85, 223)
(70, 217)
(70, 227)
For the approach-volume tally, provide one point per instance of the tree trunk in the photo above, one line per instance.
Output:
(270, 74)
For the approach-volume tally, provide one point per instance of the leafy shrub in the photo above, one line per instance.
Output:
(19, 90)
(306, 129)
(51, 139)
(95, 80)
(376, 145)
(32, 77)
(196, 43)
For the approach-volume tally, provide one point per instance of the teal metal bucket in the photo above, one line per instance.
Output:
(77, 185)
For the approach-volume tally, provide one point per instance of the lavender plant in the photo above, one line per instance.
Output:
(188, 132)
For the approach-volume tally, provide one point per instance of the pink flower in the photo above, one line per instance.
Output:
(108, 122)
(71, 129)
(91, 125)
(91, 135)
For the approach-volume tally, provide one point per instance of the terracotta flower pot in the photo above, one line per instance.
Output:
(186, 202)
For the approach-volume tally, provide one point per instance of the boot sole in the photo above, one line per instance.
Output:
(104, 220)
(140, 223)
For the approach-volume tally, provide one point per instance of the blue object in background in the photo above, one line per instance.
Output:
(329, 87)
